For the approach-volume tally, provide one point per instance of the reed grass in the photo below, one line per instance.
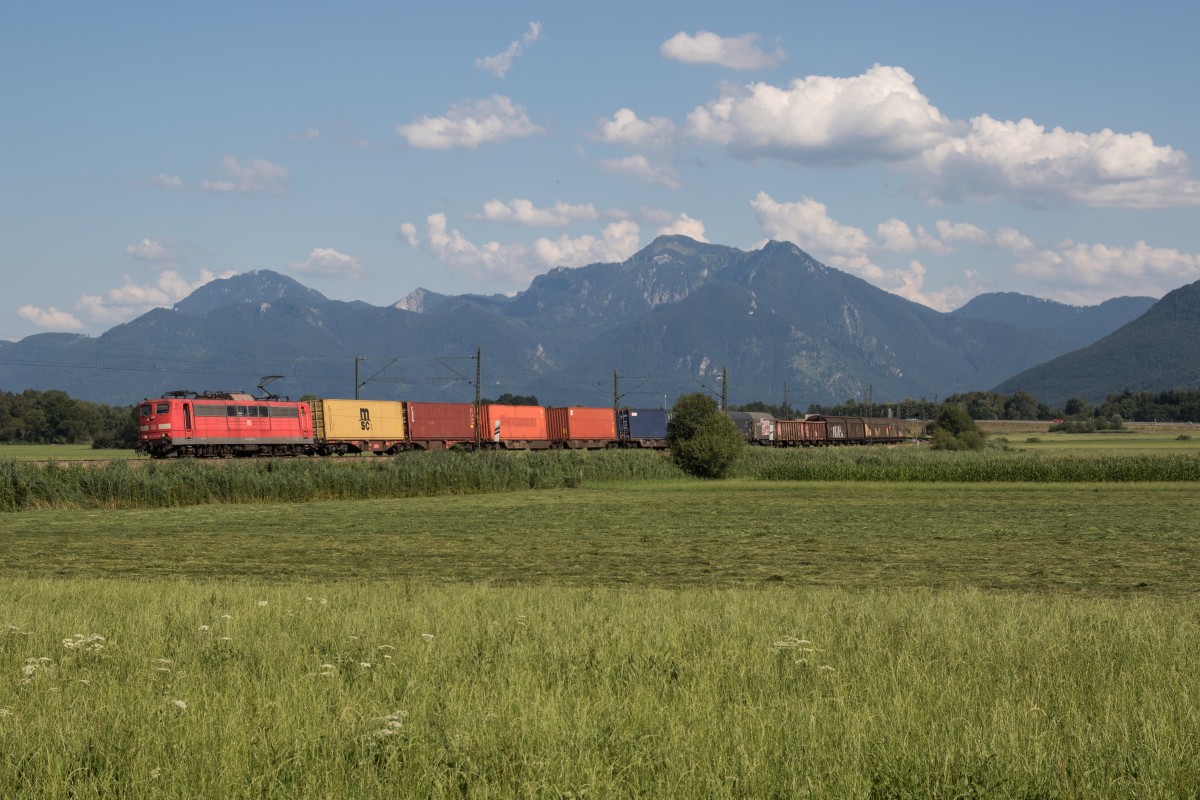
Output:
(164, 484)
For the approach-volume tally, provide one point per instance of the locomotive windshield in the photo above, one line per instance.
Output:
(144, 410)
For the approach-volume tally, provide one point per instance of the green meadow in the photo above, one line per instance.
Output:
(438, 628)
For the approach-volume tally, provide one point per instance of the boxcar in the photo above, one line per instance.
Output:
(229, 424)
(580, 427)
(844, 430)
(799, 432)
(882, 429)
(755, 426)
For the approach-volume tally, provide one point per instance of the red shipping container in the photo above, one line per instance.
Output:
(499, 423)
(448, 423)
(575, 423)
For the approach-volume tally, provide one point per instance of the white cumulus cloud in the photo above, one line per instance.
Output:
(643, 169)
(151, 251)
(735, 52)
(896, 236)
(683, 225)
(326, 261)
(625, 128)
(499, 64)
(50, 319)
(808, 224)
(167, 181)
(468, 125)
(515, 264)
(1077, 272)
(524, 212)
(1023, 161)
(879, 115)
(256, 175)
(961, 232)
(132, 299)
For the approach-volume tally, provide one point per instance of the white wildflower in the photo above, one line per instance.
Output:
(93, 643)
(262, 603)
(365, 664)
(180, 704)
(427, 637)
(154, 773)
(202, 629)
(392, 723)
(226, 616)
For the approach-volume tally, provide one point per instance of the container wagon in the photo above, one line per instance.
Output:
(440, 426)
(359, 426)
(642, 427)
(581, 428)
(513, 427)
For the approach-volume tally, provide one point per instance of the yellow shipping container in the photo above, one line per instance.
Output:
(354, 420)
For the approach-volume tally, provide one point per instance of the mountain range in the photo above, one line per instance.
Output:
(668, 320)
(1158, 350)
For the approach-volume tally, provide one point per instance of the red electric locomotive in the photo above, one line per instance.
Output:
(222, 424)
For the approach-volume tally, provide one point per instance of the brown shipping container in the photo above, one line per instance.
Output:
(441, 421)
(579, 423)
(515, 423)
(355, 420)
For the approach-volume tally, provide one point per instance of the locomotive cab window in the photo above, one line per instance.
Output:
(145, 410)
(163, 408)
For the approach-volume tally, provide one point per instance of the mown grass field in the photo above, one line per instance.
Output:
(610, 637)
(1131, 442)
(1089, 538)
(62, 452)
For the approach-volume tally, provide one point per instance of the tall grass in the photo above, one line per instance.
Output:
(159, 484)
(909, 464)
(399, 690)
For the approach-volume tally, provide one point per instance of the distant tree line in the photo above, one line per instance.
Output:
(507, 399)
(52, 417)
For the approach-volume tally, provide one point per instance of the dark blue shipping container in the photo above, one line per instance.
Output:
(642, 427)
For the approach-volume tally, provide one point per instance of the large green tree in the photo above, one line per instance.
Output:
(703, 441)
(955, 429)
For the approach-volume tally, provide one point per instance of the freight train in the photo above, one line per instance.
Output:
(225, 424)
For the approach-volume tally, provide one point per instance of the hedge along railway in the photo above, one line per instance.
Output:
(224, 424)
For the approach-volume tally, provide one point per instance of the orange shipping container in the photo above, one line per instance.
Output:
(575, 423)
(500, 423)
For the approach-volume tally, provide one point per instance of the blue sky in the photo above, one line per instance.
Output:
(937, 150)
